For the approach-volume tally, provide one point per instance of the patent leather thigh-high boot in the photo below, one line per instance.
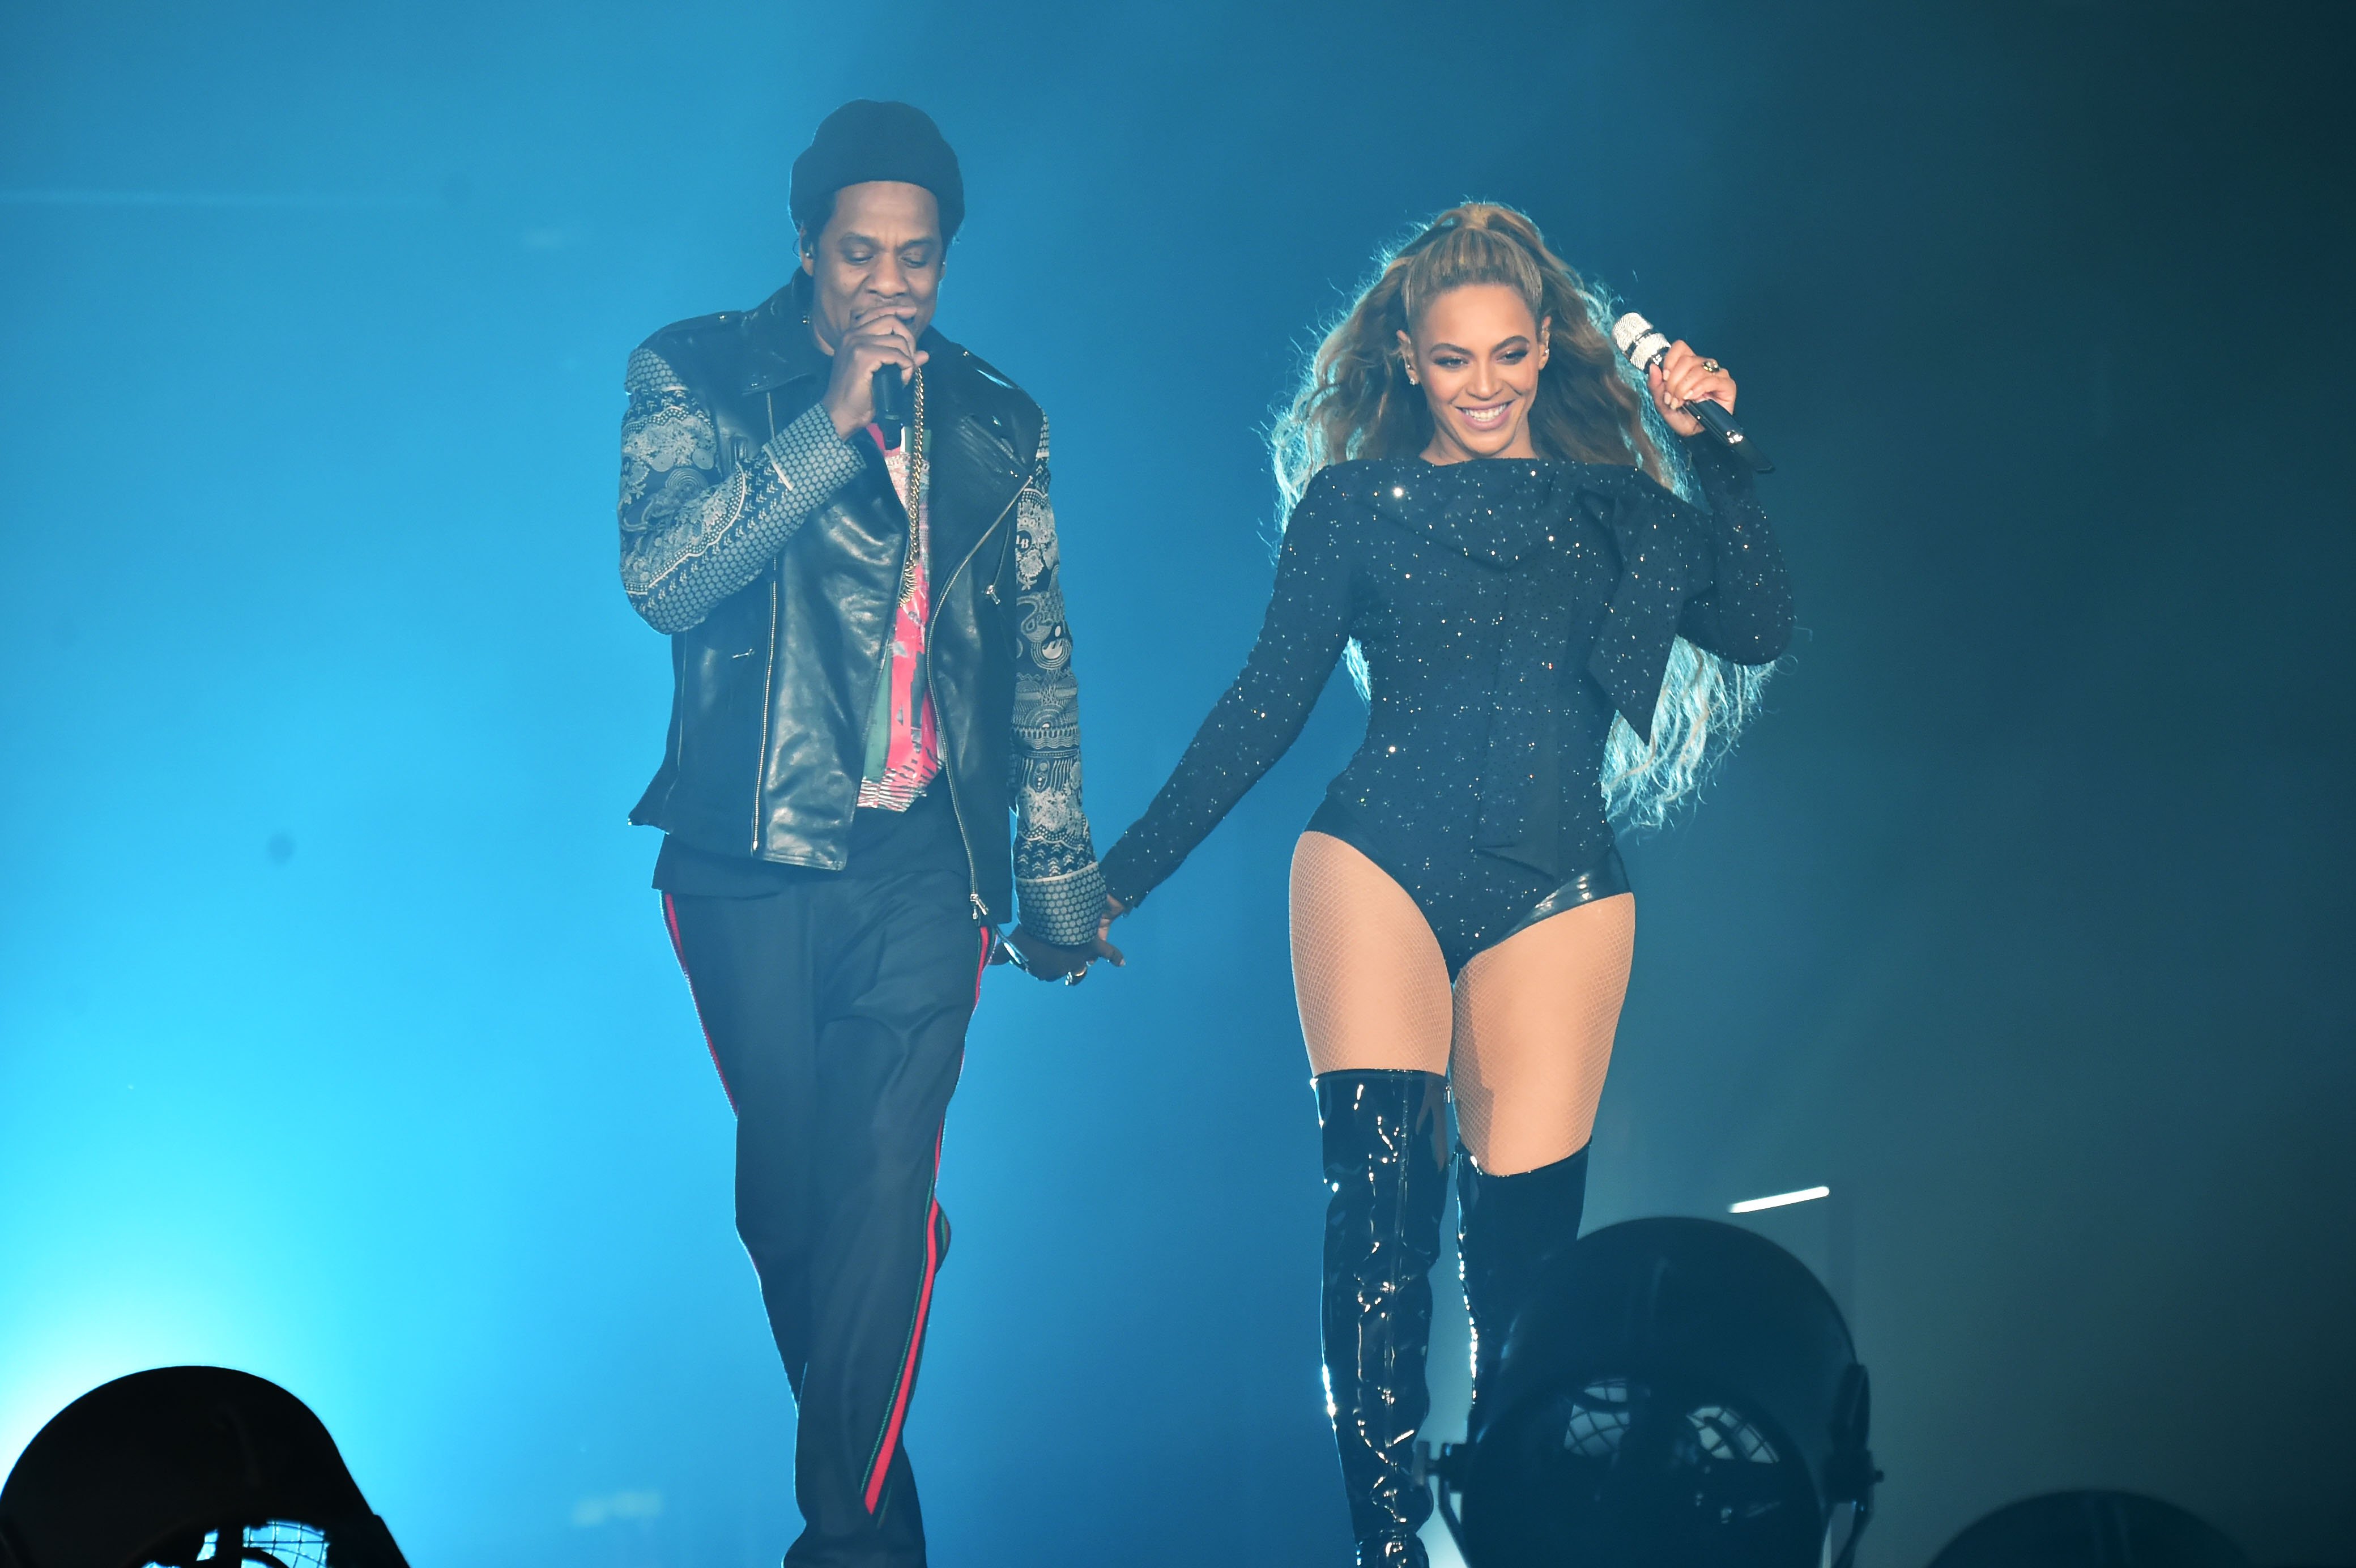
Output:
(1386, 1169)
(1509, 1230)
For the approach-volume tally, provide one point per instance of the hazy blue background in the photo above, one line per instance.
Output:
(338, 1038)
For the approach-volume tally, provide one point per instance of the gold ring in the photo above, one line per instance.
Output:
(1713, 367)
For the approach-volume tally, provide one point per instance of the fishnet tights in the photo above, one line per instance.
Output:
(1525, 1034)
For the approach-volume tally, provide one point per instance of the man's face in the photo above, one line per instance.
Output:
(879, 256)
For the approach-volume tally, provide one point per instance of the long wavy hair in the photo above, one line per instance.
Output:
(1354, 401)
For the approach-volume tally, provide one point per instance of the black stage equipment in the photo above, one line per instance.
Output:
(1677, 1393)
(2091, 1529)
(147, 1468)
(1646, 346)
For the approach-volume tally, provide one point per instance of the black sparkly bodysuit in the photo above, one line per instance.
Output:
(1506, 609)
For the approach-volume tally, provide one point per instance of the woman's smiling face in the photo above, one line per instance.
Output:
(1476, 354)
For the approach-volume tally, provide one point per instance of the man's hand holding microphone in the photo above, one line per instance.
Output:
(877, 339)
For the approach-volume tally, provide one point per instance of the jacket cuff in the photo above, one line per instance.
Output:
(810, 459)
(1065, 910)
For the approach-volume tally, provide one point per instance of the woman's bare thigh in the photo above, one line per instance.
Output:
(1367, 969)
(1535, 1019)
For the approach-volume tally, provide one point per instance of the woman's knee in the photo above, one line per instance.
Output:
(1514, 1143)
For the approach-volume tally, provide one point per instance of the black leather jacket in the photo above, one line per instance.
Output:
(771, 550)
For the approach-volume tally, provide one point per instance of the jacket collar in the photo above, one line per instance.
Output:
(778, 348)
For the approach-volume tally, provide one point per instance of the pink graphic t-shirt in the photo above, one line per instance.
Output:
(903, 737)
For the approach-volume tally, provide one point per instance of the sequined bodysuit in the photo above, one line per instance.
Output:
(1505, 609)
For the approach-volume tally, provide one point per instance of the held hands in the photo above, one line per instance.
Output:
(1684, 377)
(1113, 910)
(1044, 959)
(882, 338)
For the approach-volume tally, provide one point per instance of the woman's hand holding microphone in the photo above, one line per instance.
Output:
(1681, 377)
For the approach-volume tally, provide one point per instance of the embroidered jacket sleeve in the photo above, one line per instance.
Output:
(696, 526)
(1745, 614)
(1060, 891)
(1260, 717)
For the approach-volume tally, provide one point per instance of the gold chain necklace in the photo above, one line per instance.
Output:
(916, 491)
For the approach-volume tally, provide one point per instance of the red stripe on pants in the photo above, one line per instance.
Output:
(878, 1468)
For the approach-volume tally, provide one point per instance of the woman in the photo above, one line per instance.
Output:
(1483, 518)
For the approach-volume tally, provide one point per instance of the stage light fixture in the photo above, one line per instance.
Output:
(1779, 1200)
(1680, 1393)
(185, 1465)
(2091, 1529)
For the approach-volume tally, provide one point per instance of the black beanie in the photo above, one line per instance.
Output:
(864, 141)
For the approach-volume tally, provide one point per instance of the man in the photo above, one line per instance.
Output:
(869, 667)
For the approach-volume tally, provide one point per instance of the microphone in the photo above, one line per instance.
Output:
(1646, 347)
(891, 394)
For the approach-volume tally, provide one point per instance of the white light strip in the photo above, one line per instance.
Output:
(1753, 1205)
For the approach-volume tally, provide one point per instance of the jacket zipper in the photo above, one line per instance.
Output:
(768, 678)
(956, 807)
(768, 695)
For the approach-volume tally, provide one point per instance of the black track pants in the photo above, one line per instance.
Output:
(837, 1011)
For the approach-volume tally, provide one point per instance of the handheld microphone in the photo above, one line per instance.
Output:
(1644, 346)
(891, 394)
